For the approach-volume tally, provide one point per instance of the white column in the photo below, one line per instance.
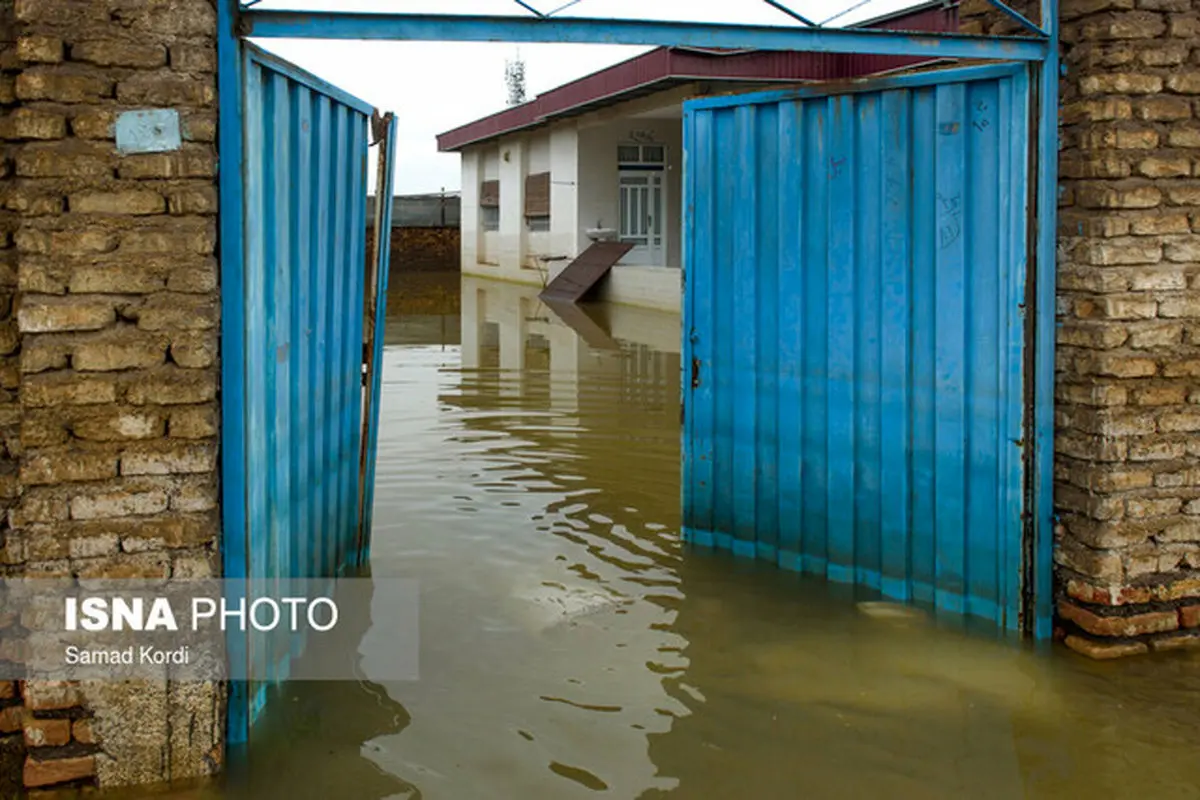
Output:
(564, 193)
(514, 156)
(469, 229)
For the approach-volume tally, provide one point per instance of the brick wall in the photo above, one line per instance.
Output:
(112, 436)
(423, 249)
(1128, 414)
(1127, 462)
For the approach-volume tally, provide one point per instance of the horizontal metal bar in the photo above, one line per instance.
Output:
(1024, 21)
(269, 24)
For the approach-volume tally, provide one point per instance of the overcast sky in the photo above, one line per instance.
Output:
(434, 87)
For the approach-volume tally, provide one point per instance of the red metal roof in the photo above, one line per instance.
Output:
(667, 66)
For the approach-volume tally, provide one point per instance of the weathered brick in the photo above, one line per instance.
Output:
(1117, 365)
(173, 387)
(116, 53)
(55, 390)
(1105, 650)
(36, 49)
(177, 312)
(178, 238)
(1159, 395)
(1116, 307)
(1184, 83)
(62, 160)
(197, 277)
(51, 695)
(116, 278)
(123, 502)
(1183, 250)
(67, 466)
(194, 351)
(1156, 449)
(193, 58)
(1186, 26)
(1160, 225)
(1097, 110)
(193, 423)
(1106, 196)
(120, 424)
(143, 566)
(199, 199)
(84, 731)
(1133, 625)
(169, 18)
(1132, 250)
(30, 123)
(39, 505)
(49, 314)
(1165, 167)
(1184, 135)
(1125, 25)
(1184, 194)
(1163, 335)
(165, 89)
(104, 544)
(1120, 83)
(1179, 307)
(121, 349)
(200, 126)
(131, 201)
(63, 84)
(190, 162)
(32, 202)
(84, 241)
(195, 495)
(1187, 531)
(1164, 54)
(1183, 420)
(11, 719)
(39, 430)
(94, 123)
(175, 532)
(50, 771)
(169, 458)
(47, 732)
(1158, 280)
(1164, 108)
(1143, 507)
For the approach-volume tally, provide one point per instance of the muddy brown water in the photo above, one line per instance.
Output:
(571, 647)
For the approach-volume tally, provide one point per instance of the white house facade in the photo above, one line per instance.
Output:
(602, 158)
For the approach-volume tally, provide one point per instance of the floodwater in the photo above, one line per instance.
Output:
(571, 647)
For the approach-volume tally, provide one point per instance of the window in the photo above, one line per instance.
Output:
(537, 201)
(641, 156)
(489, 205)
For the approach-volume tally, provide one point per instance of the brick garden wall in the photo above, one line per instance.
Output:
(109, 414)
(423, 249)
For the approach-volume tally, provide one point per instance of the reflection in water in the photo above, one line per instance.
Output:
(571, 646)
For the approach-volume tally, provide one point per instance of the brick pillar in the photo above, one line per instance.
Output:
(116, 323)
(1127, 447)
(1128, 464)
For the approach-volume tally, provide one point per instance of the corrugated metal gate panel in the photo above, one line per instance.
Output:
(856, 268)
(305, 225)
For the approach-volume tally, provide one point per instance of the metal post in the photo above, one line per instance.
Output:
(1047, 248)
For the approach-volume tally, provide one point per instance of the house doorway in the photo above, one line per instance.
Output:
(642, 212)
(641, 180)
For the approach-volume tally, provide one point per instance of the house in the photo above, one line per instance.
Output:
(601, 158)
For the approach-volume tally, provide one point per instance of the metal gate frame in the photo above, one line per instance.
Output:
(1040, 49)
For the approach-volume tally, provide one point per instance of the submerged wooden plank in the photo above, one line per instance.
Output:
(585, 271)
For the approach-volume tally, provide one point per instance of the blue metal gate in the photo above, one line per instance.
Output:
(856, 336)
(293, 344)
